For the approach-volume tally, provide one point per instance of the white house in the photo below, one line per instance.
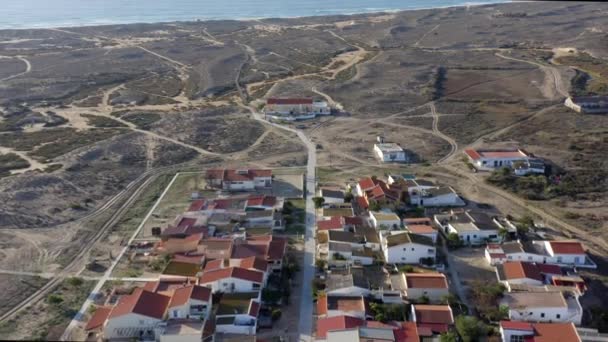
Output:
(332, 196)
(349, 255)
(436, 318)
(438, 196)
(232, 279)
(191, 301)
(136, 315)
(182, 330)
(525, 331)
(340, 284)
(473, 228)
(520, 273)
(562, 253)
(488, 160)
(434, 286)
(543, 306)
(422, 229)
(385, 220)
(240, 180)
(390, 153)
(588, 104)
(405, 248)
(237, 313)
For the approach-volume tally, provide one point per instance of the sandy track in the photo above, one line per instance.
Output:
(28, 68)
(438, 133)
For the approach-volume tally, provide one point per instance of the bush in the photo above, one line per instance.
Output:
(54, 299)
(319, 201)
(406, 269)
(74, 281)
(276, 314)
(470, 328)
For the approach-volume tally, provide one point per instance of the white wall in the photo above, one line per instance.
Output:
(239, 186)
(475, 237)
(403, 254)
(349, 291)
(128, 326)
(435, 295)
(225, 285)
(437, 201)
(550, 315)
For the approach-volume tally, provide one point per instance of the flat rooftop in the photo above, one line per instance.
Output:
(389, 147)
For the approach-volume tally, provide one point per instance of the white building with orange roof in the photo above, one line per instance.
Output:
(538, 332)
(518, 159)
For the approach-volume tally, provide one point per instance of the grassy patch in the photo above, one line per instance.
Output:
(102, 121)
(132, 218)
(54, 314)
(11, 161)
(596, 68)
(294, 212)
(143, 120)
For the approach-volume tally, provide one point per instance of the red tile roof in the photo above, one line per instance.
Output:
(567, 247)
(266, 201)
(353, 220)
(335, 222)
(276, 249)
(99, 317)
(441, 314)
(191, 259)
(549, 269)
(555, 332)
(197, 205)
(426, 281)
(337, 323)
(232, 272)
(182, 295)
(516, 325)
(407, 333)
(214, 264)
(288, 101)
(362, 202)
(519, 270)
(366, 183)
(141, 302)
(232, 175)
(472, 154)
(421, 229)
(254, 263)
(254, 309)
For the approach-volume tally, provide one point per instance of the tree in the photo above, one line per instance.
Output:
(503, 233)
(74, 281)
(424, 300)
(319, 201)
(454, 240)
(524, 224)
(348, 197)
(449, 336)
(470, 328)
(374, 205)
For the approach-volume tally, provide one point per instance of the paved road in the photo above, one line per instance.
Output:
(107, 275)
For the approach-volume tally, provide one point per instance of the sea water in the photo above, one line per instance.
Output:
(20, 14)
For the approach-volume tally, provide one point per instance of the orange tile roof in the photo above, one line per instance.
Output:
(254, 263)
(567, 247)
(421, 229)
(322, 305)
(426, 281)
(335, 222)
(141, 302)
(555, 332)
(232, 272)
(182, 295)
(337, 323)
(366, 183)
(441, 314)
(519, 270)
(99, 317)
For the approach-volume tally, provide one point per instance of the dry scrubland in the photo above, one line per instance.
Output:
(86, 111)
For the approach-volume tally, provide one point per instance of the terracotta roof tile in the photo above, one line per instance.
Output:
(366, 183)
(214, 265)
(337, 323)
(567, 247)
(520, 270)
(232, 272)
(426, 280)
(254, 263)
(421, 229)
(99, 317)
(335, 222)
(322, 305)
(516, 325)
(254, 309)
(441, 314)
(362, 202)
(472, 154)
(555, 332)
(142, 302)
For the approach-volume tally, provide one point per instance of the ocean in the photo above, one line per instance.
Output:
(21, 14)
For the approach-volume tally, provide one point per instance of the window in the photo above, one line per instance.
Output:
(542, 315)
(402, 258)
(517, 338)
(510, 257)
(529, 258)
(413, 249)
(405, 249)
(431, 251)
(558, 316)
(256, 286)
(142, 322)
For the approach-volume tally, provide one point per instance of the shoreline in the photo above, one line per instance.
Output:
(364, 12)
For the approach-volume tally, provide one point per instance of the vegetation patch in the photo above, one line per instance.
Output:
(102, 121)
(11, 161)
(596, 83)
(143, 120)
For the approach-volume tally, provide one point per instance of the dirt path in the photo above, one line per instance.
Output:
(551, 72)
(452, 142)
(28, 68)
(417, 43)
(34, 164)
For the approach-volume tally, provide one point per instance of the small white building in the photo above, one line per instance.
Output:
(525, 331)
(237, 313)
(438, 196)
(232, 280)
(422, 229)
(332, 306)
(588, 104)
(239, 180)
(543, 306)
(555, 252)
(489, 160)
(520, 273)
(434, 286)
(191, 301)
(405, 248)
(473, 228)
(332, 196)
(390, 153)
(385, 220)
